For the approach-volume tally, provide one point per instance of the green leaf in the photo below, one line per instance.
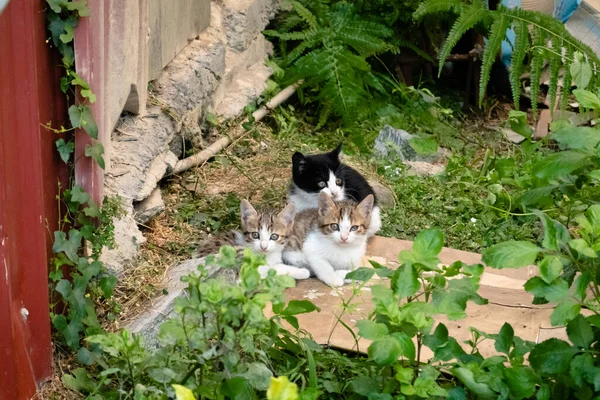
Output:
(518, 123)
(404, 282)
(107, 285)
(237, 389)
(452, 300)
(365, 385)
(511, 254)
(69, 34)
(407, 347)
(183, 393)
(282, 389)
(71, 334)
(79, 381)
(581, 71)
(65, 149)
(587, 99)
(75, 116)
(361, 274)
(296, 307)
(468, 379)
(385, 351)
(78, 195)
(550, 268)
(521, 381)
(371, 330)
(555, 233)
(428, 243)
(555, 291)
(88, 94)
(96, 151)
(259, 375)
(543, 392)
(492, 48)
(560, 164)
(581, 285)
(577, 137)
(70, 247)
(57, 5)
(552, 357)
(88, 123)
(423, 145)
(583, 248)
(565, 312)
(504, 339)
(580, 332)
(80, 6)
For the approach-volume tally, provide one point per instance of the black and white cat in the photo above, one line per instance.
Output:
(324, 172)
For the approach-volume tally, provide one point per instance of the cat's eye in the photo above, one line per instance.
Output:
(338, 182)
(274, 236)
(353, 228)
(321, 184)
(255, 235)
(334, 227)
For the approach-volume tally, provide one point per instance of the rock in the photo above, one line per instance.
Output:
(148, 322)
(385, 197)
(128, 239)
(149, 208)
(394, 142)
(512, 136)
(243, 20)
(424, 168)
(541, 129)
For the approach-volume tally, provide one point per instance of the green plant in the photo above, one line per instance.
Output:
(77, 274)
(533, 31)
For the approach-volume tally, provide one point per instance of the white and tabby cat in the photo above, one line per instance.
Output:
(330, 240)
(324, 172)
(264, 232)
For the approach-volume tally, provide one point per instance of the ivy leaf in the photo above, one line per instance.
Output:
(550, 268)
(96, 151)
(423, 145)
(80, 6)
(504, 339)
(587, 99)
(560, 164)
(511, 254)
(361, 274)
(57, 5)
(69, 34)
(70, 247)
(404, 282)
(88, 123)
(65, 149)
(71, 334)
(371, 330)
(78, 195)
(296, 307)
(581, 71)
(565, 312)
(580, 332)
(79, 381)
(521, 381)
(107, 285)
(88, 94)
(552, 356)
(385, 351)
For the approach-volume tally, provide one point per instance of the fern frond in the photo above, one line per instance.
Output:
(492, 48)
(537, 63)
(470, 16)
(437, 6)
(567, 79)
(291, 21)
(555, 63)
(373, 81)
(518, 56)
(324, 114)
(305, 14)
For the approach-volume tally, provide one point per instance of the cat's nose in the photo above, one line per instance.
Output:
(344, 237)
(264, 245)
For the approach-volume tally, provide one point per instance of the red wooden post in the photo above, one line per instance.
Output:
(29, 175)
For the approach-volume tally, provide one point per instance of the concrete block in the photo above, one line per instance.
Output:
(243, 20)
(149, 208)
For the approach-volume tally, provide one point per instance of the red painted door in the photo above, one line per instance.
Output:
(29, 174)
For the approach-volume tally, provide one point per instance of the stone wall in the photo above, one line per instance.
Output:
(220, 70)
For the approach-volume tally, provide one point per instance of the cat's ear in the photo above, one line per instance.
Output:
(326, 204)
(365, 207)
(335, 153)
(247, 210)
(287, 215)
(299, 161)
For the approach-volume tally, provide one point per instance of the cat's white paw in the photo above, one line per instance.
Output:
(263, 270)
(301, 273)
(333, 280)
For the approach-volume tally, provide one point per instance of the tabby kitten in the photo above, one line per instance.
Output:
(265, 233)
(324, 172)
(332, 239)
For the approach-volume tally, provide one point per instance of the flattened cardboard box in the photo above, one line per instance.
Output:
(507, 302)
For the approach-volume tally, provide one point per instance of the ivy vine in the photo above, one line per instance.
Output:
(80, 285)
